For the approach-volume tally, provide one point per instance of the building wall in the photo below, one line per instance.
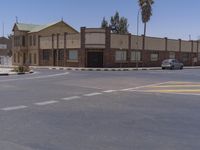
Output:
(58, 39)
(73, 41)
(119, 41)
(173, 45)
(186, 46)
(152, 43)
(136, 42)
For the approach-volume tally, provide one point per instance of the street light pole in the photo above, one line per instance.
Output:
(136, 56)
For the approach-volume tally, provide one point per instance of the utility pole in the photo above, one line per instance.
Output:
(3, 29)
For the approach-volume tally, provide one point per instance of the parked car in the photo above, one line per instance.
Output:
(171, 64)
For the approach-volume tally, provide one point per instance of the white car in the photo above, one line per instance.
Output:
(171, 64)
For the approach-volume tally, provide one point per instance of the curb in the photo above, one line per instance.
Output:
(104, 69)
(95, 69)
(15, 73)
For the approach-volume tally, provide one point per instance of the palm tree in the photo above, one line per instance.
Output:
(146, 12)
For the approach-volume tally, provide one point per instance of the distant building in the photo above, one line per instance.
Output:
(59, 44)
(5, 51)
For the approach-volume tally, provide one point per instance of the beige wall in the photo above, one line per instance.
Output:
(152, 43)
(59, 28)
(119, 41)
(61, 41)
(73, 41)
(134, 40)
(97, 30)
(173, 45)
(186, 46)
(95, 38)
(55, 46)
(46, 42)
(194, 46)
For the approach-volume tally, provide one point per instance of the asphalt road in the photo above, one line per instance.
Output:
(72, 110)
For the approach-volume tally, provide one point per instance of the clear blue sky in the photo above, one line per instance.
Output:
(171, 18)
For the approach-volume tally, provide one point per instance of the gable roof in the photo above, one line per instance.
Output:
(25, 27)
(31, 28)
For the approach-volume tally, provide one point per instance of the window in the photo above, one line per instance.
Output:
(46, 54)
(30, 58)
(23, 41)
(60, 54)
(14, 57)
(35, 58)
(135, 56)
(73, 55)
(30, 40)
(18, 57)
(185, 57)
(34, 40)
(198, 56)
(1, 62)
(120, 56)
(17, 41)
(154, 57)
(172, 55)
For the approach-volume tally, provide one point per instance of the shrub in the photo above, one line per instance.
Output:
(22, 69)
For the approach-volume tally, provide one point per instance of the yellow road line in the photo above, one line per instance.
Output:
(166, 86)
(182, 83)
(175, 91)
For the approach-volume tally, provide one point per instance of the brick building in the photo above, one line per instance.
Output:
(59, 44)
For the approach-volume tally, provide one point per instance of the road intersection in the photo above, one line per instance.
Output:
(62, 110)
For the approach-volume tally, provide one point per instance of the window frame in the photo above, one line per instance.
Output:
(135, 57)
(120, 56)
(76, 55)
(46, 55)
(153, 58)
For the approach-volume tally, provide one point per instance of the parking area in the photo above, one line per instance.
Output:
(152, 109)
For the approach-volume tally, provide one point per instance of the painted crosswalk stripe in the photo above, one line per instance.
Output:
(14, 108)
(70, 98)
(92, 94)
(46, 103)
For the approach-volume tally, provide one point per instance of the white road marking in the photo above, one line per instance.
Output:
(124, 90)
(14, 108)
(46, 103)
(92, 94)
(71, 98)
(109, 91)
(39, 77)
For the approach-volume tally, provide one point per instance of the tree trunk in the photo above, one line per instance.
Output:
(143, 45)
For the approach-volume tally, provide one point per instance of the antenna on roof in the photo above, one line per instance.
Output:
(16, 19)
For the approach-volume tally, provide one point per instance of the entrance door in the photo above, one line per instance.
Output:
(95, 59)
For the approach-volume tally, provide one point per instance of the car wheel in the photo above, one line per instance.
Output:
(172, 67)
(163, 68)
(181, 68)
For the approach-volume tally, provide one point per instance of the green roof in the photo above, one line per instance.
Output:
(26, 27)
(36, 28)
